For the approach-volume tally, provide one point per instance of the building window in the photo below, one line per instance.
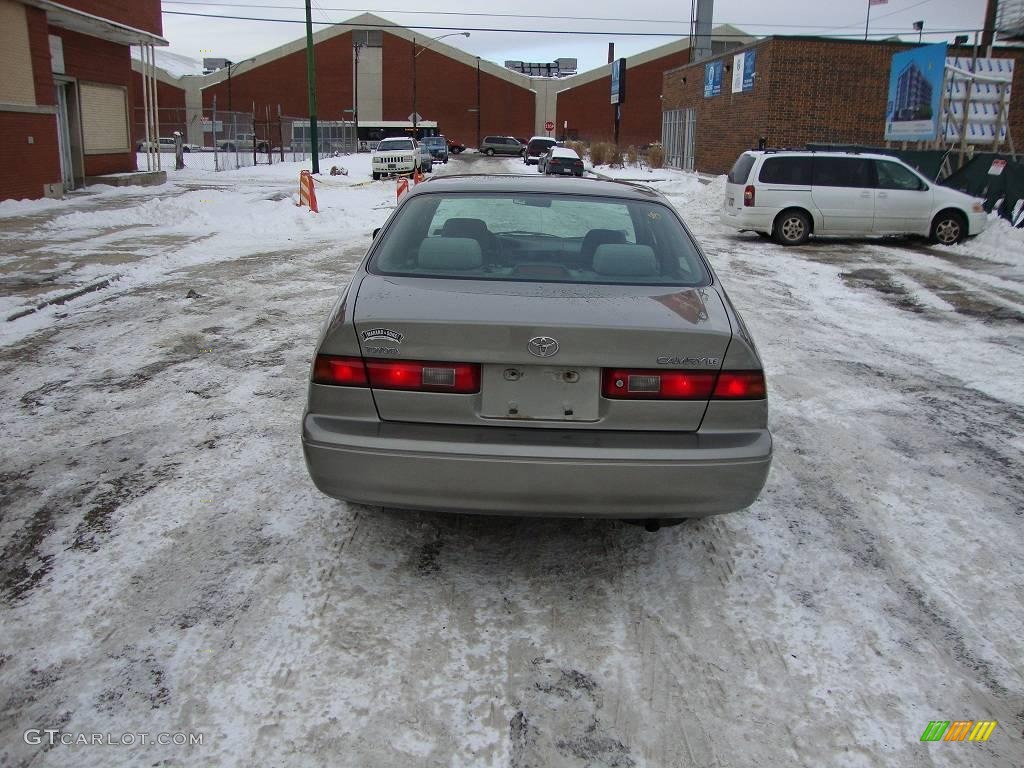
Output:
(678, 137)
(16, 84)
(370, 38)
(104, 118)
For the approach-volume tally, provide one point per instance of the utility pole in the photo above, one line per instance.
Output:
(479, 107)
(311, 79)
(989, 33)
(414, 115)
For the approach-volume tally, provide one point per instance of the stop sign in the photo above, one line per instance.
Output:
(549, 126)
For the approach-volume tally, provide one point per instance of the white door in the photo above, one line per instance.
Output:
(903, 202)
(67, 170)
(843, 191)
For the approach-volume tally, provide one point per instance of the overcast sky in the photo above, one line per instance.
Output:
(238, 40)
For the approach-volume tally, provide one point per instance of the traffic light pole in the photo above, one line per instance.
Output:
(311, 79)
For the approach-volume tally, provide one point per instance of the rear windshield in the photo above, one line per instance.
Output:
(434, 141)
(741, 169)
(389, 145)
(539, 237)
(536, 145)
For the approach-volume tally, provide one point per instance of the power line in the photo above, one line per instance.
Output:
(536, 16)
(600, 33)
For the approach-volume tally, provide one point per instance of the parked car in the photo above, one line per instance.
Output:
(438, 147)
(399, 155)
(508, 345)
(455, 146)
(791, 195)
(562, 161)
(166, 144)
(501, 145)
(536, 147)
(243, 142)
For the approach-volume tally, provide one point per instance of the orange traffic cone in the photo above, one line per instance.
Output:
(417, 176)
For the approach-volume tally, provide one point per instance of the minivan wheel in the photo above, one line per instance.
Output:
(792, 228)
(948, 228)
(490, 152)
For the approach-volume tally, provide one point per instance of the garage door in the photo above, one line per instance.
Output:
(104, 118)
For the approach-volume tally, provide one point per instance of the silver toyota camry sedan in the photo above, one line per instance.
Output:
(534, 346)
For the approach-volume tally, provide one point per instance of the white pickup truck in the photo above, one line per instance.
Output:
(243, 142)
(399, 155)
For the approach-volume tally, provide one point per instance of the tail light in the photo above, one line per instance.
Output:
(749, 196)
(656, 384)
(643, 384)
(409, 375)
(740, 385)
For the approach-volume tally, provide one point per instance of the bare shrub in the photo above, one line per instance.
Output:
(656, 156)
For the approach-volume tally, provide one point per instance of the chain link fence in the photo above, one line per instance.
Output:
(219, 140)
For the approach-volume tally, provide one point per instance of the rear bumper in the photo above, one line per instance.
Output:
(749, 219)
(541, 472)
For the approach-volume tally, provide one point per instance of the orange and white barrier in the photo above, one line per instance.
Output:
(307, 194)
(403, 186)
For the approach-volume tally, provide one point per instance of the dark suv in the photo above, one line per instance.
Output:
(501, 145)
(538, 146)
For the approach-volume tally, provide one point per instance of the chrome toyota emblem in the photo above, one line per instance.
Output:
(542, 346)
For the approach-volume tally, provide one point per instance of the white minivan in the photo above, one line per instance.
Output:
(791, 195)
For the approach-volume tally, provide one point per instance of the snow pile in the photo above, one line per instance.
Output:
(999, 242)
(633, 172)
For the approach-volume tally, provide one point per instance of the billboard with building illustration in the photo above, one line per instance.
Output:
(915, 94)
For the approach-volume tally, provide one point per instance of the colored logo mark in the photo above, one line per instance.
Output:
(958, 730)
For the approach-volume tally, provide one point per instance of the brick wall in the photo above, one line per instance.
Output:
(588, 109)
(24, 167)
(806, 91)
(141, 14)
(99, 61)
(729, 123)
(283, 82)
(446, 90)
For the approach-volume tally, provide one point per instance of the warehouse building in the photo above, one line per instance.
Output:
(396, 73)
(795, 91)
(65, 92)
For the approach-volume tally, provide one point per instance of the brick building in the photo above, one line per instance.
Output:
(64, 94)
(805, 90)
(400, 71)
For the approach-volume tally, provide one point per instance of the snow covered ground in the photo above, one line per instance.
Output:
(167, 566)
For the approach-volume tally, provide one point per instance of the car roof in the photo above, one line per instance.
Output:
(543, 138)
(564, 152)
(512, 183)
(813, 153)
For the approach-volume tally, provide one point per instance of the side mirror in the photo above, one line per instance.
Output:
(375, 233)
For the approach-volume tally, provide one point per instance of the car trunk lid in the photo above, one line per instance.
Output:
(541, 348)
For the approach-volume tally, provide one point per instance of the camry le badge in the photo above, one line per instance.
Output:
(542, 346)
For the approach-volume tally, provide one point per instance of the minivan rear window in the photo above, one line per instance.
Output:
(786, 170)
(741, 169)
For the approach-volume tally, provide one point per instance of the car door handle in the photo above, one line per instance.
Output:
(883, 194)
(865, 194)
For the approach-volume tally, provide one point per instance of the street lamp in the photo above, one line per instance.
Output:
(231, 64)
(415, 55)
